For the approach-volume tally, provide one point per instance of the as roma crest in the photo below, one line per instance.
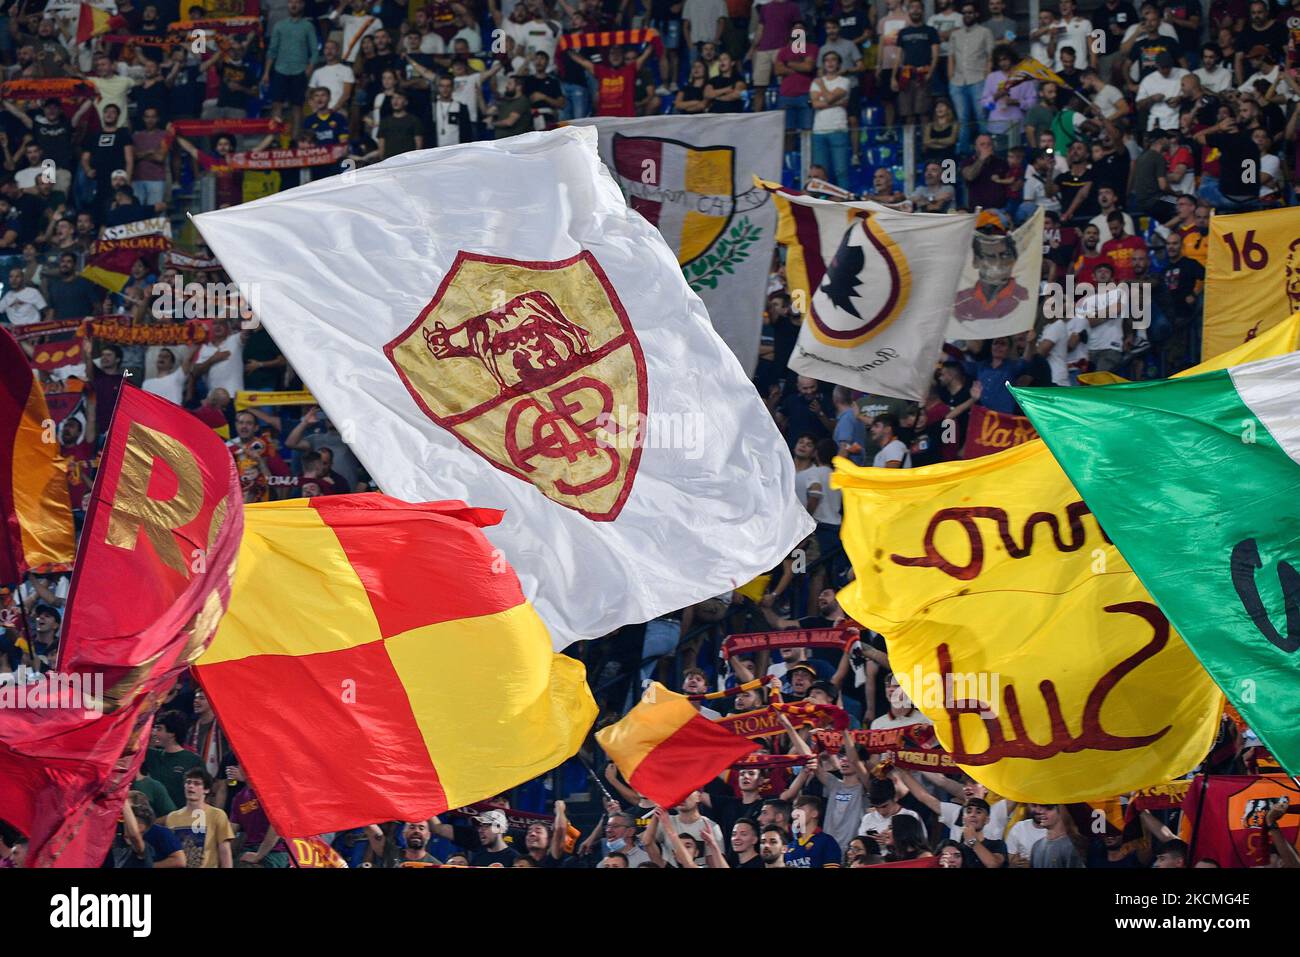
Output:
(865, 287)
(534, 366)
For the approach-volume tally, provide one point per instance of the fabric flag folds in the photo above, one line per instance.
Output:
(692, 178)
(1224, 817)
(666, 749)
(110, 260)
(521, 339)
(1197, 481)
(998, 291)
(1050, 673)
(1252, 276)
(38, 527)
(875, 287)
(420, 678)
(92, 21)
(151, 581)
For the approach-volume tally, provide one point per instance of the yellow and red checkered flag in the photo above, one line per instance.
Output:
(666, 749)
(379, 662)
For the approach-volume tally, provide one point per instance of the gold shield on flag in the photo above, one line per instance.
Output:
(548, 382)
(687, 192)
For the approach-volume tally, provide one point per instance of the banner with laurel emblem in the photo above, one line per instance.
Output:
(691, 177)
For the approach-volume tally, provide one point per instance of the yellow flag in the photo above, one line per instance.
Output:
(1252, 276)
(1014, 625)
(1038, 71)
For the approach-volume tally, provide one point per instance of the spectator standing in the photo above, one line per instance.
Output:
(796, 64)
(970, 57)
(776, 23)
(292, 51)
(829, 96)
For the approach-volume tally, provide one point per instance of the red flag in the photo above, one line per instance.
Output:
(1223, 817)
(151, 582)
(313, 852)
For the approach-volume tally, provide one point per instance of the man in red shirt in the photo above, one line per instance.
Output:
(1119, 248)
(1089, 255)
(796, 64)
(616, 90)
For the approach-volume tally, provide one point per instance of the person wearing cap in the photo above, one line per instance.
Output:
(799, 677)
(493, 850)
(982, 850)
(40, 649)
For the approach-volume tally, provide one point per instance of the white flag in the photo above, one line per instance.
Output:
(489, 322)
(998, 291)
(692, 177)
(875, 288)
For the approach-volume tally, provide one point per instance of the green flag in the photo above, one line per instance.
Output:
(1197, 482)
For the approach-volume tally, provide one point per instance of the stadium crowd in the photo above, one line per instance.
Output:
(1169, 114)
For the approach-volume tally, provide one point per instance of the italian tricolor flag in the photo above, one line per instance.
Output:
(1197, 482)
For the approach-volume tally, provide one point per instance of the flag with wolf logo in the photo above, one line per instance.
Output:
(692, 177)
(516, 338)
(875, 288)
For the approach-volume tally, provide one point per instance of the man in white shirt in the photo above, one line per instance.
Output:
(1109, 101)
(169, 379)
(893, 454)
(221, 360)
(1054, 345)
(951, 813)
(1157, 89)
(1214, 76)
(902, 712)
(1075, 32)
(336, 76)
(1109, 203)
(1270, 165)
(1023, 836)
(1266, 72)
(1104, 314)
(111, 86)
(689, 820)
(1040, 190)
(357, 25)
(882, 795)
(704, 22)
(22, 304)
